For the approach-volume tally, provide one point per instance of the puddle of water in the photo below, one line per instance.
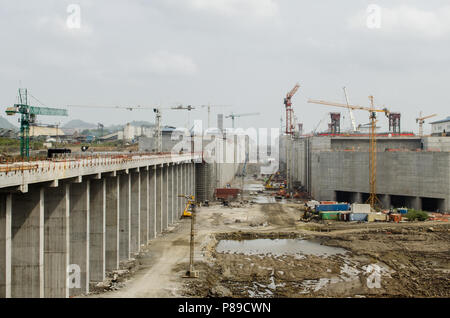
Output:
(277, 247)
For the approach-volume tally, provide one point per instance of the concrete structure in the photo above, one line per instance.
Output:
(64, 224)
(411, 171)
(131, 132)
(441, 127)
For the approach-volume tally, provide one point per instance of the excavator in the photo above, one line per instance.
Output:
(190, 205)
(269, 182)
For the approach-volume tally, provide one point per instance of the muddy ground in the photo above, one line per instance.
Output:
(380, 259)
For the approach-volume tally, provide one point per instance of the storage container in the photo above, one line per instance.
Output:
(332, 207)
(360, 217)
(329, 215)
(402, 210)
(360, 208)
(373, 217)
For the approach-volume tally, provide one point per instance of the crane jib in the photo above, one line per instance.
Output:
(45, 111)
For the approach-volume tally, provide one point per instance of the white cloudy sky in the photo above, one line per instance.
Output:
(244, 53)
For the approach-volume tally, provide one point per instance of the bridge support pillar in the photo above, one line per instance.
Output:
(97, 227)
(112, 223)
(79, 237)
(27, 244)
(144, 206)
(159, 198)
(170, 194)
(135, 225)
(177, 191)
(165, 209)
(5, 245)
(57, 241)
(153, 199)
(385, 201)
(124, 212)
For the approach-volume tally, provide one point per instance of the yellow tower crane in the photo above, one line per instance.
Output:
(373, 199)
(421, 121)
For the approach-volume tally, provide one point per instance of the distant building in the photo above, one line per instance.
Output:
(131, 132)
(170, 138)
(38, 131)
(441, 127)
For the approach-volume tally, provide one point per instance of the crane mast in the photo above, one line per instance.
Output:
(289, 110)
(421, 121)
(373, 199)
(28, 115)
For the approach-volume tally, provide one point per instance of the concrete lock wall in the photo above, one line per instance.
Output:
(331, 168)
(57, 237)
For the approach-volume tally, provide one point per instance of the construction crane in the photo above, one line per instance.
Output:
(189, 108)
(352, 117)
(421, 121)
(234, 116)
(28, 116)
(181, 107)
(209, 106)
(130, 108)
(289, 110)
(373, 199)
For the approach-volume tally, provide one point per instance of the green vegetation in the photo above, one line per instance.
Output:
(414, 215)
(11, 145)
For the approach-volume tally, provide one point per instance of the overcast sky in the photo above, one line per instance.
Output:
(244, 53)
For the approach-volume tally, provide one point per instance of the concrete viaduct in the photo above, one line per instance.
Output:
(60, 218)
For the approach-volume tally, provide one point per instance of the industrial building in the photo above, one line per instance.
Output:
(441, 127)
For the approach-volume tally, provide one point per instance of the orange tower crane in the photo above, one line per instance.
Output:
(373, 199)
(289, 110)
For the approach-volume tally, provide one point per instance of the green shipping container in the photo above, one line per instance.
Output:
(329, 215)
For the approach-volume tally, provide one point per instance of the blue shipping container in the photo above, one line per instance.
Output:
(332, 207)
(360, 217)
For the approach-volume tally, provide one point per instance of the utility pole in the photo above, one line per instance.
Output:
(191, 272)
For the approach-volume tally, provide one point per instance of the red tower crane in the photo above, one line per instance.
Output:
(289, 110)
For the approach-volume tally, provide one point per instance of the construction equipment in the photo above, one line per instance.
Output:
(234, 116)
(28, 117)
(190, 205)
(352, 117)
(421, 121)
(273, 182)
(373, 199)
(289, 110)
